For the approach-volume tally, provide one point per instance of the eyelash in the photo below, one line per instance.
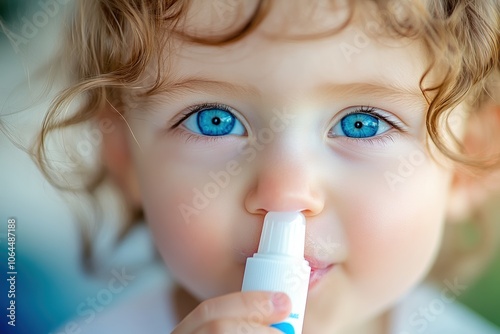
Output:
(380, 140)
(377, 140)
(373, 111)
(200, 107)
(194, 138)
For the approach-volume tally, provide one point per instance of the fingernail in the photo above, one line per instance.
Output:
(280, 301)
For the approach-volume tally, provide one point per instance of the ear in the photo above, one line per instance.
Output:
(470, 191)
(116, 156)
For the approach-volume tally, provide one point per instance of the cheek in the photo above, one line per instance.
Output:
(186, 224)
(396, 232)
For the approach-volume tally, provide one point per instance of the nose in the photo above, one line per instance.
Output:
(285, 182)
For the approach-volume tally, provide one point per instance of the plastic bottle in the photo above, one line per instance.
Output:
(279, 265)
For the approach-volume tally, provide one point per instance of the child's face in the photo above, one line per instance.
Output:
(374, 205)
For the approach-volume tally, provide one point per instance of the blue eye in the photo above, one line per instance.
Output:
(360, 125)
(214, 121)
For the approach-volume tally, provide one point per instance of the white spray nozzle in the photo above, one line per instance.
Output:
(279, 265)
(283, 234)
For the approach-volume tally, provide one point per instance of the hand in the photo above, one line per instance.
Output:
(239, 312)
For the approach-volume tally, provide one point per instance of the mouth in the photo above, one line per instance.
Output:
(317, 273)
(318, 270)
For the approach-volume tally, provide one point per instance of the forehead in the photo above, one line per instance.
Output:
(205, 18)
(294, 18)
(272, 63)
(278, 57)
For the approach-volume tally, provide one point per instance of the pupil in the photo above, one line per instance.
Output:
(216, 121)
(358, 125)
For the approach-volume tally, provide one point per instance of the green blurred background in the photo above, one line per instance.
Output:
(484, 295)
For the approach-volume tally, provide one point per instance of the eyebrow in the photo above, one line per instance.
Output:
(393, 91)
(200, 84)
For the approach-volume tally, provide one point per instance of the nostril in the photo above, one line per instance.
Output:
(308, 213)
(261, 212)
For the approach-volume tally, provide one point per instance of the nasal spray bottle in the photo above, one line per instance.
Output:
(279, 265)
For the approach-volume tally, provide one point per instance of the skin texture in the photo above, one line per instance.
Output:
(375, 208)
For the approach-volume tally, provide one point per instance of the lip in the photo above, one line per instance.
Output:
(318, 268)
(317, 274)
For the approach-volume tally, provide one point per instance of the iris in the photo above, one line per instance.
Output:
(215, 122)
(359, 125)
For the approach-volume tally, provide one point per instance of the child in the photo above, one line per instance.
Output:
(366, 116)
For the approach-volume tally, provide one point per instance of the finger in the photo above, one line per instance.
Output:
(253, 306)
